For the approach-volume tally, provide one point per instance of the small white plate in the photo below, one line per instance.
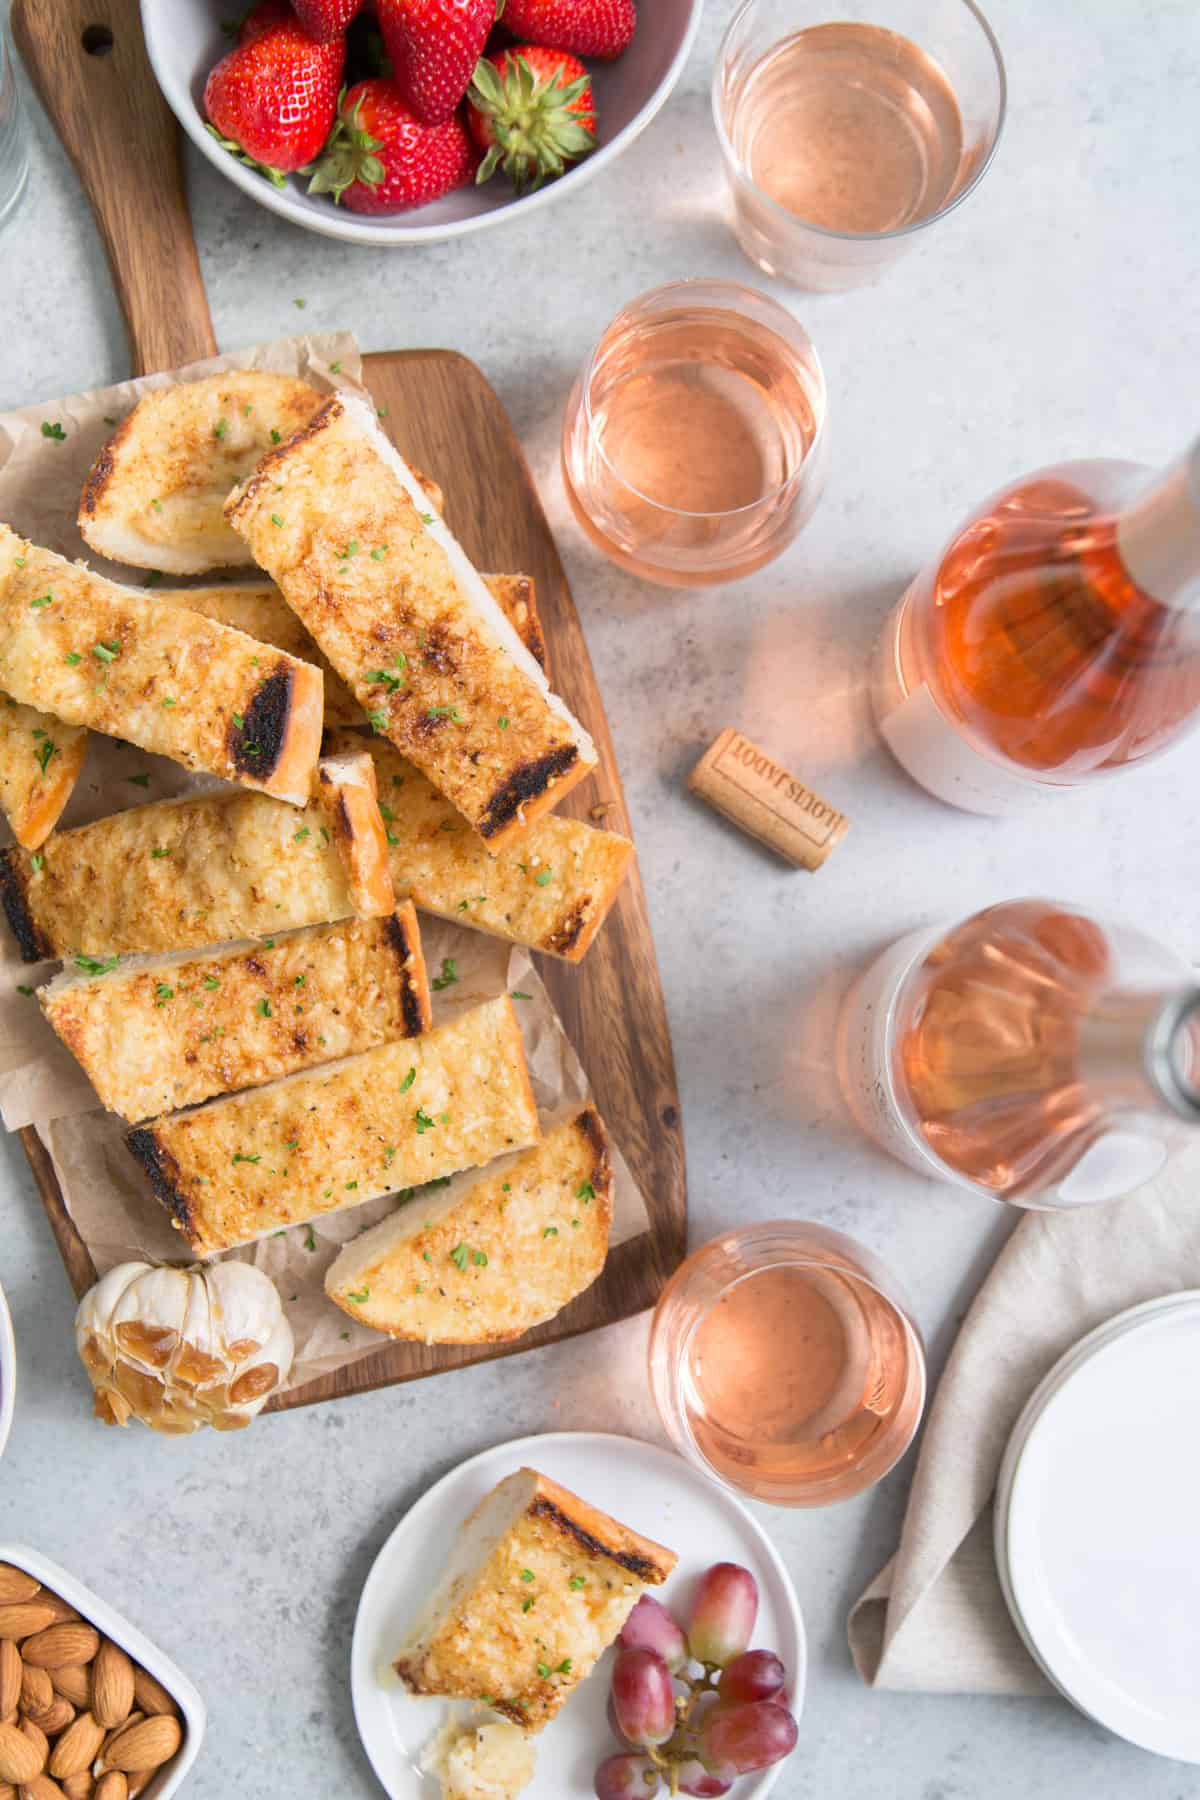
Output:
(8, 1371)
(1096, 1543)
(652, 1490)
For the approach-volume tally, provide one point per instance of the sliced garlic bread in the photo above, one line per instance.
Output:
(207, 869)
(162, 1032)
(340, 523)
(538, 1585)
(494, 1255)
(40, 761)
(155, 494)
(95, 654)
(314, 1143)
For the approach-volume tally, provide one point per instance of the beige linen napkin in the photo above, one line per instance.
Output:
(934, 1619)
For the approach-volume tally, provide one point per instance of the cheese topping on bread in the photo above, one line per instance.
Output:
(529, 1540)
(162, 1032)
(95, 654)
(314, 1143)
(507, 1249)
(154, 495)
(339, 522)
(40, 760)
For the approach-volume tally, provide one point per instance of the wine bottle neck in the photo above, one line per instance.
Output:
(1158, 536)
(1144, 1047)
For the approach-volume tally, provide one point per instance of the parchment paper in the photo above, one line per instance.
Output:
(40, 1082)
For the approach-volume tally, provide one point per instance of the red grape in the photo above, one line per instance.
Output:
(694, 1778)
(651, 1627)
(643, 1697)
(723, 1614)
(626, 1777)
(748, 1737)
(758, 1675)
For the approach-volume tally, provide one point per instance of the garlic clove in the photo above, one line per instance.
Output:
(199, 1359)
(245, 1307)
(147, 1321)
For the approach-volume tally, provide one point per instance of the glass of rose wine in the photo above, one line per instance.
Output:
(785, 1361)
(845, 138)
(694, 442)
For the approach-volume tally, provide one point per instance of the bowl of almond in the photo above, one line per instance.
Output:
(89, 1709)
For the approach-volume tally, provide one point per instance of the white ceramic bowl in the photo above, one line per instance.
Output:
(184, 40)
(98, 1613)
(8, 1371)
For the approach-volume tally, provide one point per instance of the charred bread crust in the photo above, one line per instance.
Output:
(590, 1127)
(598, 1534)
(256, 746)
(164, 1173)
(31, 940)
(528, 785)
(405, 937)
(101, 471)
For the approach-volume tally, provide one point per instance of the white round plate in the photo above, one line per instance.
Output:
(1095, 1529)
(8, 1371)
(650, 1489)
(184, 40)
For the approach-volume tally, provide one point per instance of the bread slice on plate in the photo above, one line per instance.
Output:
(260, 610)
(40, 761)
(340, 523)
(314, 1143)
(162, 1032)
(495, 1254)
(537, 1587)
(551, 890)
(206, 869)
(154, 495)
(95, 654)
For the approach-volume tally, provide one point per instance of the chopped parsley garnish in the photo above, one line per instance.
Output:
(379, 552)
(221, 429)
(502, 722)
(325, 833)
(42, 600)
(564, 1667)
(72, 659)
(479, 1258)
(53, 430)
(427, 518)
(299, 836)
(506, 1187)
(170, 702)
(238, 720)
(350, 550)
(96, 965)
(310, 1239)
(300, 304)
(526, 1606)
(392, 838)
(210, 982)
(444, 712)
(585, 1191)
(543, 1670)
(550, 1231)
(263, 1009)
(459, 1256)
(350, 1186)
(377, 720)
(424, 1121)
(336, 369)
(276, 520)
(22, 989)
(392, 678)
(163, 993)
(275, 437)
(408, 1081)
(238, 1157)
(159, 851)
(576, 1582)
(107, 653)
(518, 995)
(526, 1574)
(544, 877)
(45, 751)
(448, 976)
(299, 981)
(359, 1298)
(37, 861)
(156, 506)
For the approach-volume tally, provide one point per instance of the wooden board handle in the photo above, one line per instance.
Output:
(88, 62)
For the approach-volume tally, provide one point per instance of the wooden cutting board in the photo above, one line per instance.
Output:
(88, 60)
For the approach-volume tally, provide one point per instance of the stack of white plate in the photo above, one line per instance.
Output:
(1098, 1526)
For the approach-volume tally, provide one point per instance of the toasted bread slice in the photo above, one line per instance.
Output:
(179, 874)
(260, 610)
(154, 495)
(40, 761)
(346, 788)
(95, 654)
(405, 619)
(329, 1138)
(551, 891)
(528, 1540)
(493, 1256)
(162, 1032)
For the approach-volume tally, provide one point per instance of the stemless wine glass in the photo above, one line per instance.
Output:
(14, 146)
(694, 443)
(846, 137)
(785, 1361)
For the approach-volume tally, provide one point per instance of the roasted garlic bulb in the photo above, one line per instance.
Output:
(181, 1348)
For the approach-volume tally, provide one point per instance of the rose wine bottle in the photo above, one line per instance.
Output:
(1030, 1054)
(1055, 639)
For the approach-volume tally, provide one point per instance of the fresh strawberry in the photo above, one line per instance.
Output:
(272, 101)
(531, 111)
(325, 20)
(600, 28)
(434, 46)
(381, 158)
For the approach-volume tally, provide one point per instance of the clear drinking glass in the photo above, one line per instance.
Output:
(14, 132)
(785, 1361)
(694, 443)
(845, 137)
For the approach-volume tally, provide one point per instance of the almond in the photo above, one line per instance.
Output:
(62, 1610)
(37, 1738)
(144, 1746)
(112, 1686)
(149, 1694)
(41, 1788)
(56, 1718)
(73, 1683)
(79, 1787)
(112, 1786)
(139, 1781)
(37, 1690)
(23, 1619)
(16, 1585)
(10, 1677)
(60, 1645)
(78, 1747)
(20, 1760)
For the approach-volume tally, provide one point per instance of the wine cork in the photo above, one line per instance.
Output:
(748, 786)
